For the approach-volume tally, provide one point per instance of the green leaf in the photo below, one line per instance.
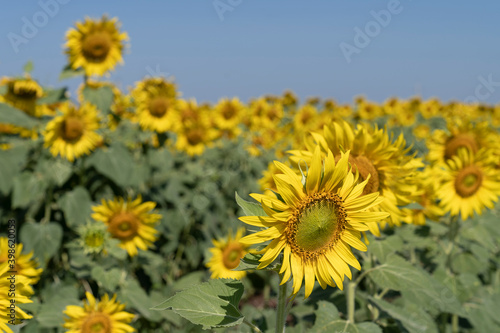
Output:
(10, 165)
(28, 187)
(412, 317)
(134, 296)
(43, 239)
(249, 262)
(58, 297)
(101, 97)
(28, 67)
(76, 206)
(108, 279)
(52, 96)
(250, 208)
(116, 163)
(415, 283)
(382, 248)
(16, 117)
(467, 263)
(328, 320)
(68, 73)
(368, 328)
(211, 304)
(56, 170)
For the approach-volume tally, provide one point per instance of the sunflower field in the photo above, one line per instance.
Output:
(141, 211)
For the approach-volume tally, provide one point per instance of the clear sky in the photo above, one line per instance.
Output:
(248, 48)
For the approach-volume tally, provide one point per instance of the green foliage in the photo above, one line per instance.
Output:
(211, 304)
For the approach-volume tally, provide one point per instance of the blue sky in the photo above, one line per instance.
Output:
(431, 48)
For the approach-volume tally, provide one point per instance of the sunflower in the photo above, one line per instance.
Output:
(266, 183)
(316, 223)
(73, 133)
(156, 101)
(131, 222)
(368, 111)
(195, 138)
(468, 183)
(106, 316)
(430, 108)
(23, 93)
(373, 153)
(462, 133)
(425, 196)
(96, 45)
(26, 265)
(226, 255)
(305, 118)
(228, 113)
(23, 291)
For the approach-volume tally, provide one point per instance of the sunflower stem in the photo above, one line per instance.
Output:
(281, 310)
(350, 300)
(454, 323)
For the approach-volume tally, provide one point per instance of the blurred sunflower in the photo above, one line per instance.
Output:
(131, 222)
(106, 316)
(26, 265)
(195, 138)
(73, 133)
(305, 118)
(156, 101)
(468, 183)
(430, 108)
(461, 133)
(266, 183)
(226, 255)
(23, 93)
(426, 197)
(228, 113)
(96, 45)
(374, 154)
(316, 223)
(23, 291)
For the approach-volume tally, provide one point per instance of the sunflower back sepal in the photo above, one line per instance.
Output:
(251, 261)
(210, 304)
(249, 208)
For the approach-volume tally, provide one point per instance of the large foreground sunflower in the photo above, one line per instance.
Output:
(23, 290)
(375, 154)
(105, 316)
(226, 255)
(73, 134)
(468, 183)
(96, 45)
(316, 223)
(131, 222)
(156, 101)
(25, 265)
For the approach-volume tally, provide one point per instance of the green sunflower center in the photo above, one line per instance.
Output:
(231, 255)
(95, 47)
(72, 128)
(316, 224)
(158, 107)
(462, 140)
(124, 225)
(97, 322)
(94, 240)
(468, 181)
